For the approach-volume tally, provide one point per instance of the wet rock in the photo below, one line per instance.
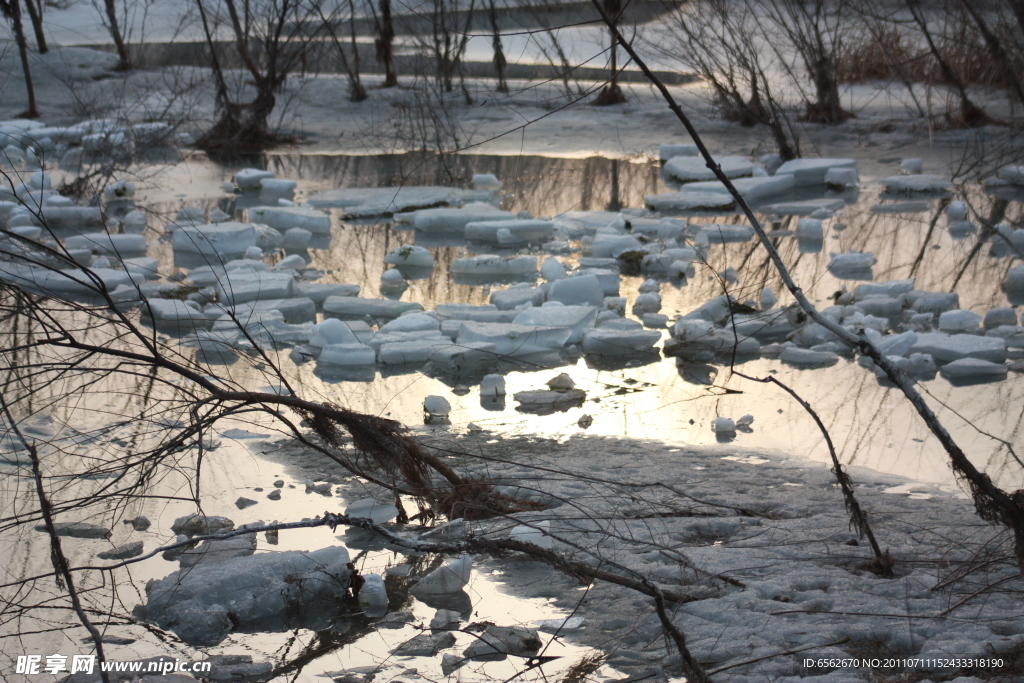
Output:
(244, 502)
(77, 530)
(585, 421)
(499, 641)
(197, 525)
(396, 620)
(445, 618)
(282, 590)
(425, 645)
(274, 495)
(122, 552)
(323, 488)
(450, 662)
(139, 523)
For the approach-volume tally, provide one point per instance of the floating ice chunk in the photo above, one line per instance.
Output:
(243, 285)
(293, 262)
(804, 207)
(287, 217)
(457, 220)
(227, 240)
(274, 189)
(519, 232)
(947, 348)
(373, 597)
(552, 269)
(897, 344)
(768, 299)
(809, 229)
(366, 202)
(931, 302)
(577, 318)
(410, 255)
(690, 200)
(296, 239)
(117, 191)
(250, 179)
(446, 580)
(911, 166)
(319, 292)
(536, 533)
(580, 290)
(281, 590)
(378, 513)
(973, 368)
(197, 524)
(999, 316)
(892, 288)
(852, 266)
(391, 279)
(332, 331)
(668, 151)
(911, 184)
(690, 169)
(959, 321)
(512, 339)
(495, 266)
(745, 421)
(486, 181)
(1012, 174)
(841, 178)
(649, 302)
(812, 171)
(880, 306)
(412, 322)
(546, 402)
(437, 406)
(560, 624)
(806, 358)
(517, 296)
(724, 233)
(613, 342)
(109, 244)
(492, 386)
(723, 425)
(347, 355)
(356, 308)
(717, 310)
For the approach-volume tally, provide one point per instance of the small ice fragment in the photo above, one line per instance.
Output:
(445, 618)
(492, 386)
(378, 513)
(436, 406)
(561, 383)
(535, 533)
(373, 598)
(486, 181)
(445, 580)
(745, 421)
(723, 425)
(911, 166)
(392, 279)
(254, 253)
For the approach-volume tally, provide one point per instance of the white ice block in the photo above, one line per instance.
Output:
(812, 171)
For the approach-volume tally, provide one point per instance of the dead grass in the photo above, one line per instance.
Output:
(888, 54)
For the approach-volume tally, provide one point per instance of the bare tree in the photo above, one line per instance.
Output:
(35, 13)
(11, 10)
(384, 42)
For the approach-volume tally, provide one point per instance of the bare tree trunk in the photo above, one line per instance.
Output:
(996, 49)
(115, 32)
(499, 53)
(11, 9)
(611, 93)
(384, 43)
(970, 115)
(35, 14)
